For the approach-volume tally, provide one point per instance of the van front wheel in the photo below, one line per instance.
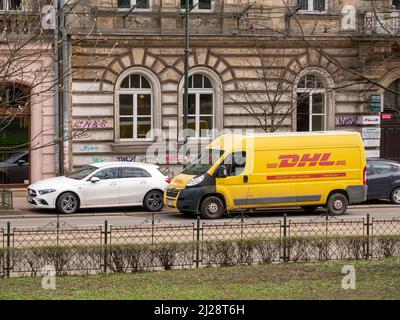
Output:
(212, 208)
(337, 204)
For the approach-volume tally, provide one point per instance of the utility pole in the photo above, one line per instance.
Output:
(186, 80)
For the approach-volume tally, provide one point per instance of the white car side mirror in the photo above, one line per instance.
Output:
(94, 179)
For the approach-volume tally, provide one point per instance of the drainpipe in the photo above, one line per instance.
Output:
(65, 92)
(56, 92)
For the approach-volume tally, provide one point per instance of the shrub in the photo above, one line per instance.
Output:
(298, 249)
(2, 260)
(118, 261)
(221, 253)
(268, 249)
(387, 246)
(245, 250)
(166, 254)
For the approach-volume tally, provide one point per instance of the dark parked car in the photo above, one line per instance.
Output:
(15, 169)
(383, 179)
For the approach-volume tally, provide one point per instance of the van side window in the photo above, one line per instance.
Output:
(235, 163)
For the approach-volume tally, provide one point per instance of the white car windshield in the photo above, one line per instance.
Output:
(81, 173)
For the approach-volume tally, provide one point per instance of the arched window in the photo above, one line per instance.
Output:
(201, 106)
(135, 108)
(311, 104)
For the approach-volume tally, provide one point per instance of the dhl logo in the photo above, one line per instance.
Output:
(307, 159)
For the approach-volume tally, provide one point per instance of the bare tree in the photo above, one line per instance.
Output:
(268, 96)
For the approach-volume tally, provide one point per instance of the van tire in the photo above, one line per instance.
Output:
(212, 207)
(337, 204)
(310, 208)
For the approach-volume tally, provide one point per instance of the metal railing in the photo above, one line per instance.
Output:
(155, 245)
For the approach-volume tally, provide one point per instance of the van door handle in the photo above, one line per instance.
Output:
(245, 179)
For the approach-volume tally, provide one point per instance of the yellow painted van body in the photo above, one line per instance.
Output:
(276, 170)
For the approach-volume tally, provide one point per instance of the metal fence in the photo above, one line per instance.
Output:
(154, 244)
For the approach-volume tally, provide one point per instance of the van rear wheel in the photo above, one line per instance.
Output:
(212, 208)
(337, 204)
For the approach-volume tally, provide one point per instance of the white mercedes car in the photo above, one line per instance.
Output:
(105, 184)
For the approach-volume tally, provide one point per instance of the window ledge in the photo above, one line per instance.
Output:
(131, 146)
(305, 13)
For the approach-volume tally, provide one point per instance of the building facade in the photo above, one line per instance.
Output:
(27, 112)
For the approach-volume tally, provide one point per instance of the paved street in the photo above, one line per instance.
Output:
(31, 217)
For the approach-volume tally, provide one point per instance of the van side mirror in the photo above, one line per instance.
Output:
(94, 179)
(222, 172)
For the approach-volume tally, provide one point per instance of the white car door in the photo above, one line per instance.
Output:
(134, 184)
(104, 192)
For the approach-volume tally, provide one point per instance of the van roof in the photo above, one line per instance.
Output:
(289, 139)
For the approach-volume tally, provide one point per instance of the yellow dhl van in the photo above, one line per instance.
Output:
(239, 172)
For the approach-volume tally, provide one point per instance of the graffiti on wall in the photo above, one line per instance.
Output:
(91, 124)
(347, 121)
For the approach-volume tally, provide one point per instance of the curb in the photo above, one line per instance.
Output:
(18, 214)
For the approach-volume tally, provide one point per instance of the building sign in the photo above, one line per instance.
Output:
(386, 116)
(371, 133)
(370, 120)
(376, 102)
(372, 142)
(372, 153)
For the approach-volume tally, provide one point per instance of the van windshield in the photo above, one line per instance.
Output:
(203, 162)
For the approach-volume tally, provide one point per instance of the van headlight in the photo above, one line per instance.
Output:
(195, 181)
(46, 191)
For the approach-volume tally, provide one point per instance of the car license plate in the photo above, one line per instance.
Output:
(170, 203)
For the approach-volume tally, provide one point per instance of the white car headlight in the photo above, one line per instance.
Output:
(46, 191)
(195, 181)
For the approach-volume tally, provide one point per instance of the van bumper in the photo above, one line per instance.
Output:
(357, 194)
(189, 198)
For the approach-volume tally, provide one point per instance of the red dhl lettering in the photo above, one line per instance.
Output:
(311, 160)
(307, 176)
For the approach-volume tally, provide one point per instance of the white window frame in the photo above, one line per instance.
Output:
(310, 92)
(135, 93)
(197, 9)
(197, 92)
(133, 2)
(311, 9)
(6, 6)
